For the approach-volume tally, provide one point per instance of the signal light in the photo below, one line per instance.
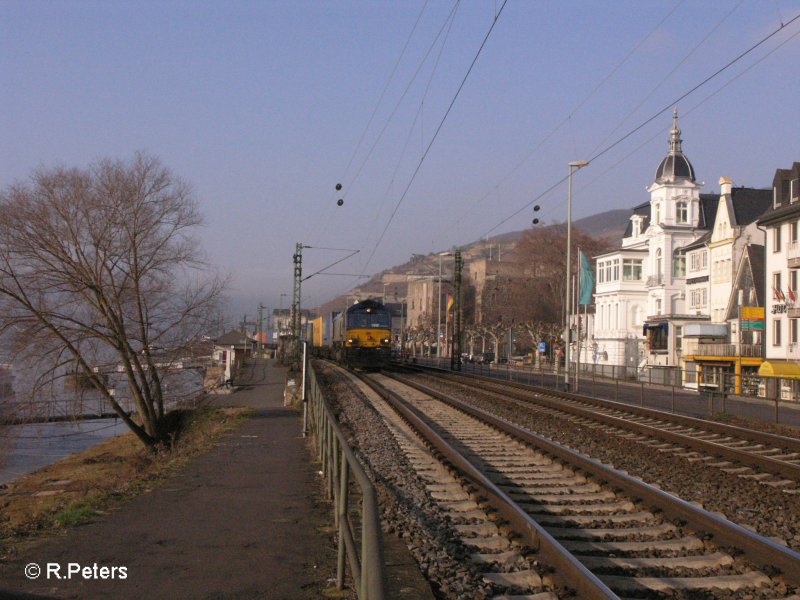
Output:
(536, 221)
(338, 186)
(340, 201)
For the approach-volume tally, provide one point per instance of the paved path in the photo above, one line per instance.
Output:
(243, 521)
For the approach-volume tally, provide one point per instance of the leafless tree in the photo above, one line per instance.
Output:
(99, 270)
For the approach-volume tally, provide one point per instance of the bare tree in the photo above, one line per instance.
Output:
(99, 269)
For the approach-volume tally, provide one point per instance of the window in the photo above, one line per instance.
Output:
(678, 338)
(776, 239)
(616, 269)
(659, 268)
(631, 269)
(792, 331)
(776, 286)
(704, 259)
(681, 212)
(776, 332)
(794, 194)
(600, 272)
(679, 266)
(657, 218)
(793, 230)
(658, 306)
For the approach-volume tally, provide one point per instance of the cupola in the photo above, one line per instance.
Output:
(675, 167)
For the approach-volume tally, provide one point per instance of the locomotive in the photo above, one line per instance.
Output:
(362, 335)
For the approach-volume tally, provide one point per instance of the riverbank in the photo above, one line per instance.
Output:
(94, 481)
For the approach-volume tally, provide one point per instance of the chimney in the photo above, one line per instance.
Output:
(725, 185)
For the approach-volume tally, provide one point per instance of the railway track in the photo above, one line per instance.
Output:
(605, 535)
(771, 460)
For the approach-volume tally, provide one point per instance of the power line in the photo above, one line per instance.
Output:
(435, 135)
(577, 108)
(651, 119)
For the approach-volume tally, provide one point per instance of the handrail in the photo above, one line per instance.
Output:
(338, 464)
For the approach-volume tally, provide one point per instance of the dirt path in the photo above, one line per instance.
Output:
(242, 521)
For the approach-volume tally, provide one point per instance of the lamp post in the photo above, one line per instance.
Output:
(575, 165)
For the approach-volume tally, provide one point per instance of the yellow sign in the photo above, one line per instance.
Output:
(753, 312)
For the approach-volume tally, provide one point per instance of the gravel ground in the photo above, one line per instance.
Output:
(407, 509)
(766, 510)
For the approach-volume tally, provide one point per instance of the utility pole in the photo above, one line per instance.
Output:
(298, 278)
(455, 358)
(260, 329)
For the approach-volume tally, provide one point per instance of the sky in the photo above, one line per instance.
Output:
(444, 121)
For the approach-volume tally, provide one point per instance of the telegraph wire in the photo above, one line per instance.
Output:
(691, 110)
(666, 77)
(435, 135)
(651, 119)
(413, 125)
(577, 108)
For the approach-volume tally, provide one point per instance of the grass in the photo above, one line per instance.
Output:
(76, 489)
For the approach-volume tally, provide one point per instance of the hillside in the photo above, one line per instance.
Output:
(608, 225)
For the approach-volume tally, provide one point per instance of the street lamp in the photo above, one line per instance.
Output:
(575, 165)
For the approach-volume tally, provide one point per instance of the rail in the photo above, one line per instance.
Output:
(761, 550)
(339, 463)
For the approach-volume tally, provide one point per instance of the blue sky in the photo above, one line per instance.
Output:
(261, 106)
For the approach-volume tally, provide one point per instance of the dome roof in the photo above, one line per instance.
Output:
(675, 166)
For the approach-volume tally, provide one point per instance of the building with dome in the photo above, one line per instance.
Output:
(642, 310)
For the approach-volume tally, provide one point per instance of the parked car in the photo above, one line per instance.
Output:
(484, 358)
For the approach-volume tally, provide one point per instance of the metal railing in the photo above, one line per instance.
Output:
(766, 398)
(339, 466)
(705, 349)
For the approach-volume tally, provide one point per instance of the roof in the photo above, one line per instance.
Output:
(749, 204)
(781, 213)
(675, 167)
(698, 243)
(643, 210)
(758, 263)
(708, 210)
(234, 338)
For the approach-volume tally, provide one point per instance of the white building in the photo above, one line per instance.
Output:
(782, 224)
(640, 297)
(710, 351)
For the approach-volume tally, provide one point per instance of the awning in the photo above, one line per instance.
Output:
(785, 369)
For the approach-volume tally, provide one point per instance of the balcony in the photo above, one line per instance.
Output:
(793, 254)
(719, 349)
(655, 280)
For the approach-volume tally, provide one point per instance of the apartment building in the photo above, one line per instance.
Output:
(782, 263)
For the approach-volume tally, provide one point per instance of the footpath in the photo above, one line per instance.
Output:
(243, 521)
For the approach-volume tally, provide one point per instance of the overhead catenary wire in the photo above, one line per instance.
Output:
(649, 120)
(435, 135)
(574, 111)
(411, 129)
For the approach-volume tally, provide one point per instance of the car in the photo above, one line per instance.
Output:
(484, 358)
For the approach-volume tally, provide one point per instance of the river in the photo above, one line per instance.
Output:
(27, 447)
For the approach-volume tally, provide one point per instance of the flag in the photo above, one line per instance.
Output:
(792, 295)
(587, 279)
(450, 302)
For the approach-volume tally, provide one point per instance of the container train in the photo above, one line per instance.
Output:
(362, 335)
(359, 337)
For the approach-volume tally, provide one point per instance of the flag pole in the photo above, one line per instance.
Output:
(580, 288)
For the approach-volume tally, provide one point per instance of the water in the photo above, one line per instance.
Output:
(25, 448)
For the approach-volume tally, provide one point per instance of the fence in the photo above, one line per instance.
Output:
(660, 388)
(339, 466)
